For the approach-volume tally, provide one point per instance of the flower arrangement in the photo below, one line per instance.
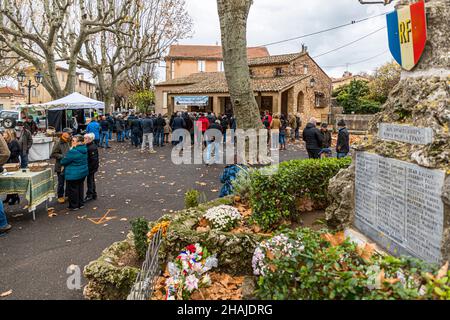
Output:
(189, 272)
(164, 225)
(272, 249)
(223, 218)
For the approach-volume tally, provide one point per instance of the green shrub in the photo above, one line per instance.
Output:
(322, 271)
(140, 228)
(273, 197)
(191, 199)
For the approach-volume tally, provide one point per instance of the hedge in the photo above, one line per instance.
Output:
(273, 197)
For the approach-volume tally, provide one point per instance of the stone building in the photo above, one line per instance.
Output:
(346, 78)
(282, 83)
(184, 60)
(41, 95)
(10, 98)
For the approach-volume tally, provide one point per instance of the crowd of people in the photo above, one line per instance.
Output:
(77, 156)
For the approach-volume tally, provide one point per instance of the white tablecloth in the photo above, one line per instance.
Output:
(41, 149)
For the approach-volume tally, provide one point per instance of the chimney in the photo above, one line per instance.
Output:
(304, 48)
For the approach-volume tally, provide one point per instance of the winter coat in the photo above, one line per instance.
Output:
(104, 126)
(14, 149)
(292, 122)
(298, 124)
(59, 151)
(312, 137)
(93, 158)
(159, 124)
(178, 123)
(276, 124)
(94, 127)
(120, 125)
(204, 123)
(189, 123)
(326, 139)
(343, 141)
(136, 127)
(76, 163)
(214, 126)
(147, 125)
(25, 141)
(4, 152)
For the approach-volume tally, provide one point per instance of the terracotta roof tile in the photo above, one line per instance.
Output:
(210, 52)
(10, 91)
(215, 82)
(272, 60)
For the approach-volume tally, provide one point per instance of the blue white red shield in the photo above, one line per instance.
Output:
(407, 33)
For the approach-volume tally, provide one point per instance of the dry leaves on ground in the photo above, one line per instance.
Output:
(335, 240)
(224, 287)
(6, 293)
(366, 252)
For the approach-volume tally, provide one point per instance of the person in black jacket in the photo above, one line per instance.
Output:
(14, 149)
(160, 123)
(93, 164)
(136, 130)
(313, 139)
(147, 130)
(178, 123)
(343, 141)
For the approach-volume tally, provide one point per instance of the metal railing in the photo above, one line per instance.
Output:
(145, 282)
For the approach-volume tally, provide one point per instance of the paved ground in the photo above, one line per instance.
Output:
(34, 256)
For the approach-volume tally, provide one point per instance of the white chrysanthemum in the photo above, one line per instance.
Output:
(223, 217)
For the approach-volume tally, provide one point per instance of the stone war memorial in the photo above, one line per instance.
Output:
(397, 191)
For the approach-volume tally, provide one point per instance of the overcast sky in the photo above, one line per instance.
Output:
(275, 20)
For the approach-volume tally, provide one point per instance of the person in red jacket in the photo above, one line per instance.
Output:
(205, 122)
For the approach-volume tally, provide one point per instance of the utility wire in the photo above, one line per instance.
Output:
(348, 44)
(323, 31)
(354, 63)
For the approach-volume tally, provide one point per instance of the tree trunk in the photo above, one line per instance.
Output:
(233, 16)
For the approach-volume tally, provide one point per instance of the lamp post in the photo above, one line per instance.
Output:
(21, 77)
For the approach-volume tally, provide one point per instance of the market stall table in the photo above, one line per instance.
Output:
(41, 148)
(38, 187)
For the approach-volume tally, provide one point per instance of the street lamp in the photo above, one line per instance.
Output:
(312, 82)
(21, 77)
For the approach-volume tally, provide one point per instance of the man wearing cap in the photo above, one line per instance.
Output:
(343, 140)
(59, 151)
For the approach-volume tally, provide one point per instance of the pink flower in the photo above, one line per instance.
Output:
(191, 283)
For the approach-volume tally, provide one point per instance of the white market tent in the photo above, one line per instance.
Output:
(55, 109)
(73, 101)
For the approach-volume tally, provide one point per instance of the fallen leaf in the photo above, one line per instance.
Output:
(443, 271)
(124, 219)
(366, 252)
(334, 240)
(6, 293)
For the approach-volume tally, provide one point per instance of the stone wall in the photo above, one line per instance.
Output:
(356, 123)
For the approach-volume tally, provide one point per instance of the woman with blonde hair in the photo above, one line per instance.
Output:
(14, 149)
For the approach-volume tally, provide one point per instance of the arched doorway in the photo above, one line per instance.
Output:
(301, 102)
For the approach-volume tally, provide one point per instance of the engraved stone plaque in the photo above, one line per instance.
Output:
(399, 206)
(408, 134)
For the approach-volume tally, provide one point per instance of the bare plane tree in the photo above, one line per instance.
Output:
(47, 32)
(233, 16)
(134, 43)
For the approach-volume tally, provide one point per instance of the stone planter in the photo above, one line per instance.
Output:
(113, 274)
(234, 250)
